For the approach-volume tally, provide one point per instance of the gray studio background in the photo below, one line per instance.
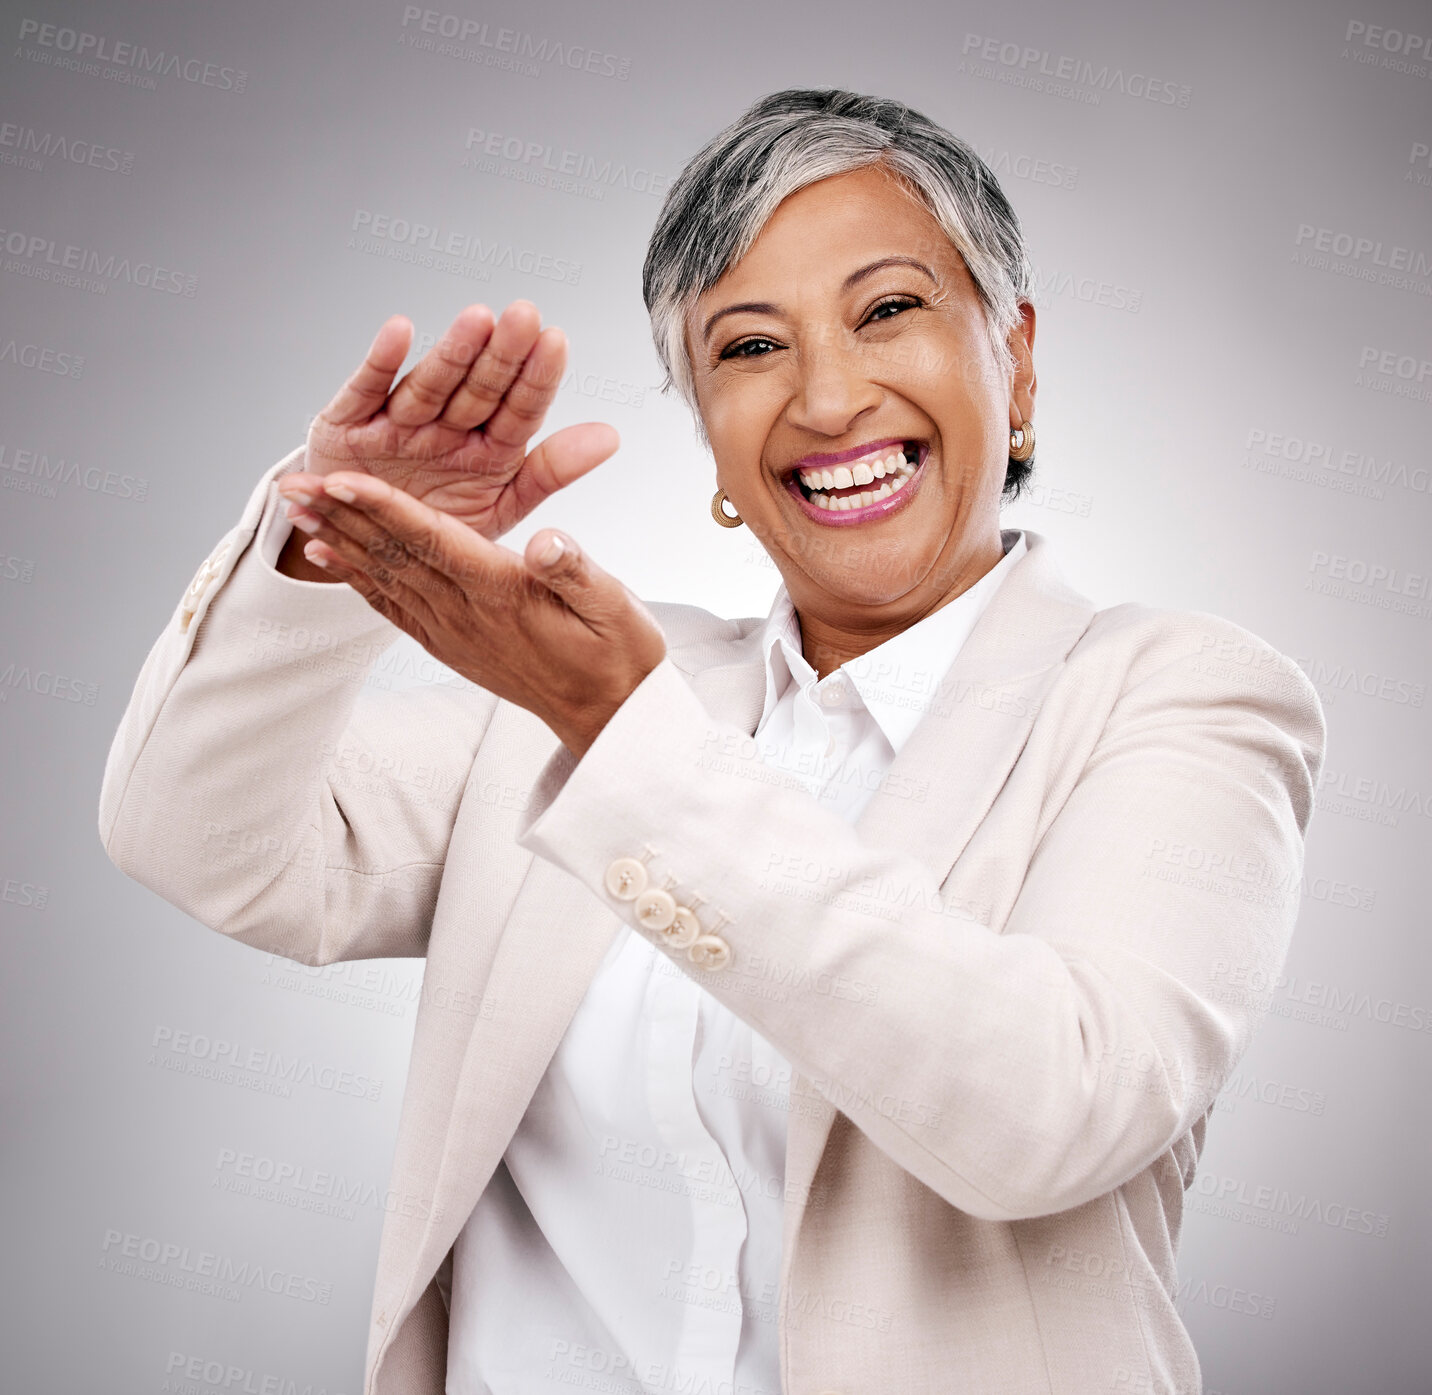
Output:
(1235, 391)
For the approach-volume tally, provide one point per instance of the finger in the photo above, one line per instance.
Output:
(563, 568)
(495, 368)
(366, 391)
(358, 544)
(565, 455)
(402, 533)
(423, 393)
(413, 594)
(358, 540)
(525, 403)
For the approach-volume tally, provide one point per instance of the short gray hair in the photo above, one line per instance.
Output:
(721, 200)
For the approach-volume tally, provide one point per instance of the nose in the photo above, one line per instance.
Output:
(833, 389)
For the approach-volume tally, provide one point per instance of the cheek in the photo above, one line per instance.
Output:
(960, 371)
(970, 412)
(737, 418)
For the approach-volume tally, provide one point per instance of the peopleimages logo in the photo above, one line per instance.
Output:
(1063, 74)
(1371, 582)
(84, 52)
(221, 1059)
(221, 1275)
(1279, 1202)
(35, 471)
(42, 358)
(1358, 248)
(429, 245)
(561, 163)
(44, 259)
(29, 148)
(475, 41)
(1328, 465)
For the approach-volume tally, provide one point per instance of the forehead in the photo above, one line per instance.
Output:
(837, 224)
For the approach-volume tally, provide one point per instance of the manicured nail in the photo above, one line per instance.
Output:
(339, 491)
(549, 554)
(297, 496)
(310, 550)
(307, 522)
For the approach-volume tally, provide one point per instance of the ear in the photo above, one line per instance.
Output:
(1022, 383)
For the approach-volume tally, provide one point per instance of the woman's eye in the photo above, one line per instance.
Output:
(897, 304)
(739, 349)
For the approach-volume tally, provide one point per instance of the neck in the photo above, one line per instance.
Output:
(832, 638)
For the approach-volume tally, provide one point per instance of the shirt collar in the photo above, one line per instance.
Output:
(895, 678)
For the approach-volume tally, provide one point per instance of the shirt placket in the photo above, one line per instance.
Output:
(704, 1278)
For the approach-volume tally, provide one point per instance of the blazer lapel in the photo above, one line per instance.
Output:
(975, 725)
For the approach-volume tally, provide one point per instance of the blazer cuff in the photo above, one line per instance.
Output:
(651, 780)
(244, 564)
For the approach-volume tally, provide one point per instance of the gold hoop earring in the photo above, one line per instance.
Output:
(1021, 441)
(718, 511)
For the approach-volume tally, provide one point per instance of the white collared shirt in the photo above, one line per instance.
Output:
(631, 1238)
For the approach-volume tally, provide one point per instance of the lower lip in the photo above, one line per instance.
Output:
(881, 508)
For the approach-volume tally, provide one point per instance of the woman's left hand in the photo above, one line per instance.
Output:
(547, 630)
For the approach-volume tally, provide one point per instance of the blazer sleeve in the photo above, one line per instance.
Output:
(1016, 1073)
(260, 783)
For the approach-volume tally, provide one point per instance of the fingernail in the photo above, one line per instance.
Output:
(551, 552)
(297, 496)
(339, 491)
(308, 524)
(314, 555)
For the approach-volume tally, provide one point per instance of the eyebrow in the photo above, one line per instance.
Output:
(857, 276)
(765, 307)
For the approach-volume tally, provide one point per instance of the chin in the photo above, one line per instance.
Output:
(838, 590)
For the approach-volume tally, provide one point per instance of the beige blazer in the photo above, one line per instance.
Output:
(1010, 993)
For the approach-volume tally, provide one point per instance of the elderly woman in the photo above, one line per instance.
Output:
(821, 1002)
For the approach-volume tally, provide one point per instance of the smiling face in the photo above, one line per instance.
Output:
(856, 411)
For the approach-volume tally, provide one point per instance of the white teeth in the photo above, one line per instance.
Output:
(892, 468)
(897, 479)
(877, 467)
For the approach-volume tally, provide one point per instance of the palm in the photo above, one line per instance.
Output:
(454, 431)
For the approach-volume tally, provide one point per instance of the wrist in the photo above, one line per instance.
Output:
(292, 563)
(577, 730)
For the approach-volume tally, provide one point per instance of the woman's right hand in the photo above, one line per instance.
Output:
(454, 431)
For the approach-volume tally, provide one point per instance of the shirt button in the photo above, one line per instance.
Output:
(683, 931)
(832, 696)
(656, 909)
(626, 878)
(709, 952)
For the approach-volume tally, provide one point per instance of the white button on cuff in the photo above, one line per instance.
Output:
(203, 580)
(709, 952)
(656, 909)
(626, 878)
(683, 931)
